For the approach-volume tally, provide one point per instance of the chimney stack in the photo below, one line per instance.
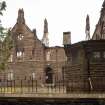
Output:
(66, 38)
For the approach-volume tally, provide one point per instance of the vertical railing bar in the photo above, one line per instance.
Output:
(21, 86)
(32, 85)
(59, 85)
(14, 86)
(11, 85)
(28, 86)
(36, 86)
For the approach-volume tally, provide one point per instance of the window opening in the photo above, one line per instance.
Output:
(96, 54)
(20, 37)
(10, 76)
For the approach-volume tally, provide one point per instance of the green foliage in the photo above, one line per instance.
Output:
(2, 66)
(5, 41)
(2, 7)
(6, 46)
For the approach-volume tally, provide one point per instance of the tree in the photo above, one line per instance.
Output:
(6, 47)
(5, 40)
(2, 7)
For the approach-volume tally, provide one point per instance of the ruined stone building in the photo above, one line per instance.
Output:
(32, 58)
(85, 67)
(99, 33)
(80, 65)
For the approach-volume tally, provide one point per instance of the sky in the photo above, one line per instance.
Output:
(62, 16)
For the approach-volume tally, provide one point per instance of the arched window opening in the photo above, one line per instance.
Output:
(48, 55)
(33, 75)
(10, 58)
(49, 75)
(10, 76)
(20, 54)
(20, 36)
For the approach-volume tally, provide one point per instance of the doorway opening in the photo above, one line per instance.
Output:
(48, 75)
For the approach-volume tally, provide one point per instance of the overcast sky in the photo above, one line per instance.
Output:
(62, 16)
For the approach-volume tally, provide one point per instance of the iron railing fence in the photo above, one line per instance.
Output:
(31, 86)
(74, 84)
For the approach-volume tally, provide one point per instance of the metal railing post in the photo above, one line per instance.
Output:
(21, 86)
